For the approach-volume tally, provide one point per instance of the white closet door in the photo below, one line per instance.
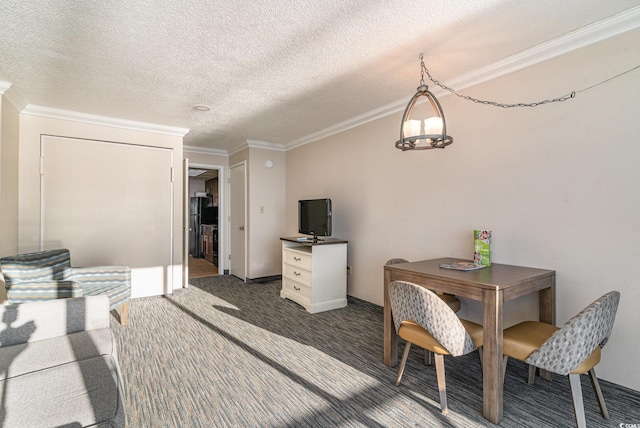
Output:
(110, 204)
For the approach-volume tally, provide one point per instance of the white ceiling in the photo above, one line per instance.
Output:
(274, 71)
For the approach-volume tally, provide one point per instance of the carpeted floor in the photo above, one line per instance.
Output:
(223, 353)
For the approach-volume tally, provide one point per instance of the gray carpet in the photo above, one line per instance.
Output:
(223, 353)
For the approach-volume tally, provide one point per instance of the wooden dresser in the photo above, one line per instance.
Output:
(314, 273)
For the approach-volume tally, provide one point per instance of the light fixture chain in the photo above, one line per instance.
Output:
(610, 78)
(533, 104)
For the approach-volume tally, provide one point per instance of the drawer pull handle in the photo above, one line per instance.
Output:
(297, 259)
(296, 288)
(296, 273)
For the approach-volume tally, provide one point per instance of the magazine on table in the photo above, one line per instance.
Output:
(464, 266)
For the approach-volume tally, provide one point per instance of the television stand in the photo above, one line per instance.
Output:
(314, 273)
(314, 239)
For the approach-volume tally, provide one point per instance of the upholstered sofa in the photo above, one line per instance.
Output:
(46, 275)
(59, 365)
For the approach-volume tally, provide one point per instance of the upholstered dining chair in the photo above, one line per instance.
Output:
(449, 299)
(46, 275)
(422, 318)
(571, 350)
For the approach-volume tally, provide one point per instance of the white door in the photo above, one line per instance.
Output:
(110, 204)
(237, 223)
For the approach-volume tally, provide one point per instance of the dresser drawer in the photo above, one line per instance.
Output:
(297, 289)
(297, 274)
(298, 258)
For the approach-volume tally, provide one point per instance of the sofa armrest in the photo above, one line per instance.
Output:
(33, 321)
(24, 292)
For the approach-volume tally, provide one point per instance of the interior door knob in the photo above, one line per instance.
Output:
(241, 228)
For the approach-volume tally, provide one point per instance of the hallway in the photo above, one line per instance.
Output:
(200, 268)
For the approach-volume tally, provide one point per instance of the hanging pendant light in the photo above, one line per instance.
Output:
(429, 132)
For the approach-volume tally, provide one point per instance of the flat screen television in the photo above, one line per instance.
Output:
(314, 217)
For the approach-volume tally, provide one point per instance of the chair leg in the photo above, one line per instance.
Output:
(532, 375)
(576, 397)
(123, 312)
(442, 384)
(428, 357)
(596, 388)
(405, 354)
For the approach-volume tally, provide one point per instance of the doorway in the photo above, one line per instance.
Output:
(204, 211)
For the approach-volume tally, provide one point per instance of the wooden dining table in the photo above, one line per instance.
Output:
(493, 286)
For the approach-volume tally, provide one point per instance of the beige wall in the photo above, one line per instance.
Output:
(31, 129)
(558, 184)
(200, 158)
(9, 135)
(266, 212)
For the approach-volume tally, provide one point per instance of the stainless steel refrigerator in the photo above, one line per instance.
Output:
(201, 211)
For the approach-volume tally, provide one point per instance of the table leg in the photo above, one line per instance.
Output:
(548, 304)
(547, 314)
(492, 372)
(390, 336)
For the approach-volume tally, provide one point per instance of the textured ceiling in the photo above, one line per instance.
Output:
(272, 70)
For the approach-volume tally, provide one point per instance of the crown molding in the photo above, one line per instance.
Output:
(238, 148)
(14, 98)
(621, 23)
(204, 151)
(349, 124)
(53, 113)
(255, 144)
(7, 89)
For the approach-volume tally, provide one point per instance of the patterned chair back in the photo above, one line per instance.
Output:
(410, 302)
(396, 261)
(41, 266)
(568, 347)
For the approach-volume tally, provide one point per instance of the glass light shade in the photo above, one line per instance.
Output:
(411, 128)
(433, 125)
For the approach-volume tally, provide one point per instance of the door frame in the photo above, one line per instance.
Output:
(223, 250)
(185, 223)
